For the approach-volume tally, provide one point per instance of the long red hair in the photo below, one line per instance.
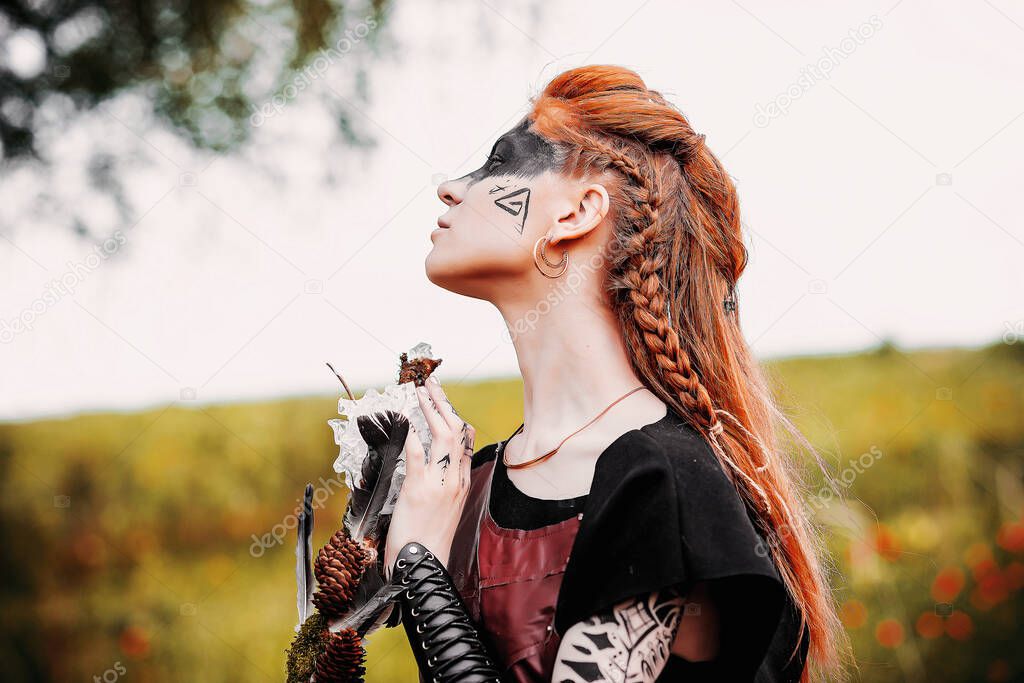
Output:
(676, 256)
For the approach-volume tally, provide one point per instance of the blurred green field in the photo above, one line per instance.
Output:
(152, 546)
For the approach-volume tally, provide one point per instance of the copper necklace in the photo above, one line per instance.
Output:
(547, 455)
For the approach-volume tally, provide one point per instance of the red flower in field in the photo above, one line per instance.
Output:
(979, 602)
(853, 614)
(886, 543)
(959, 626)
(929, 625)
(134, 642)
(1011, 537)
(1014, 575)
(991, 590)
(889, 633)
(984, 568)
(994, 587)
(947, 584)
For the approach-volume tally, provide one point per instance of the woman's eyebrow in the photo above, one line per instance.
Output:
(503, 138)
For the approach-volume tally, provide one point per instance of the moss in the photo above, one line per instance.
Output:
(308, 643)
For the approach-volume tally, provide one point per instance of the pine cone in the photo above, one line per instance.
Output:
(342, 659)
(339, 566)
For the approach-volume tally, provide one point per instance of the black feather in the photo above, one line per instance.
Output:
(374, 608)
(384, 434)
(304, 557)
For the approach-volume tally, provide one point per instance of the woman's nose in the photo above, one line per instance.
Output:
(450, 192)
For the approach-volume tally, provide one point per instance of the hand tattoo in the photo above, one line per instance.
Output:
(443, 462)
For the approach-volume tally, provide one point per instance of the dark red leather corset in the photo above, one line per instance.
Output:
(510, 582)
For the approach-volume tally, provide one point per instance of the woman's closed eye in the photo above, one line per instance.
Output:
(493, 162)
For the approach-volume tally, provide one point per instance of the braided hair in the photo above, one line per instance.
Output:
(671, 268)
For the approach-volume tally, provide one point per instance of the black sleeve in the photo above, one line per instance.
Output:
(662, 513)
(485, 454)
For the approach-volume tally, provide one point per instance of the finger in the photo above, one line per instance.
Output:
(464, 466)
(434, 420)
(414, 456)
(468, 439)
(465, 453)
(445, 406)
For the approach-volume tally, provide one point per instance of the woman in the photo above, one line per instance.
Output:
(634, 527)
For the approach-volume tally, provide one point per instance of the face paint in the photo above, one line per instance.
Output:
(519, 152)
(516, 203)
(486, 223)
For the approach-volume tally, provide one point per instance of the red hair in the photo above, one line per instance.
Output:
(676, 254)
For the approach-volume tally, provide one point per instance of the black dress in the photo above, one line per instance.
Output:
(661, 512)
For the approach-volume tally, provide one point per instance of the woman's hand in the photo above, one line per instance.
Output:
(433, 494)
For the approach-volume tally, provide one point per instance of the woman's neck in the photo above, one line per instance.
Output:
(574, 363)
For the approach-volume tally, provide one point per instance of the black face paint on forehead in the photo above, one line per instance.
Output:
(519, 152)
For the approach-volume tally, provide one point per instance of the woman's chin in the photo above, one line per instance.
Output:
(450, 273)
(440, 269)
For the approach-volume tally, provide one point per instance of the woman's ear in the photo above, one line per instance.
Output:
(589, 208)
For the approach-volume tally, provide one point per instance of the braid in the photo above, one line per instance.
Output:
(646, 321)
(677, 248)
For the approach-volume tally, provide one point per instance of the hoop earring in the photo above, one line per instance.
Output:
(564, 263)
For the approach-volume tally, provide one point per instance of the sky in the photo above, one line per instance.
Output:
(875, 146)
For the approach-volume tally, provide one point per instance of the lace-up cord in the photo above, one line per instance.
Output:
(432, 583)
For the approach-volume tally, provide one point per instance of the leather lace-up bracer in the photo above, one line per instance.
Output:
(444, 640)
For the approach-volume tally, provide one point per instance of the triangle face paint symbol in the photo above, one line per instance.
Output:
(516, 203)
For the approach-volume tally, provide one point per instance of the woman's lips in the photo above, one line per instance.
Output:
(441, 227)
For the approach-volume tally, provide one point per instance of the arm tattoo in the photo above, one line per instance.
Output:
(630, 644)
